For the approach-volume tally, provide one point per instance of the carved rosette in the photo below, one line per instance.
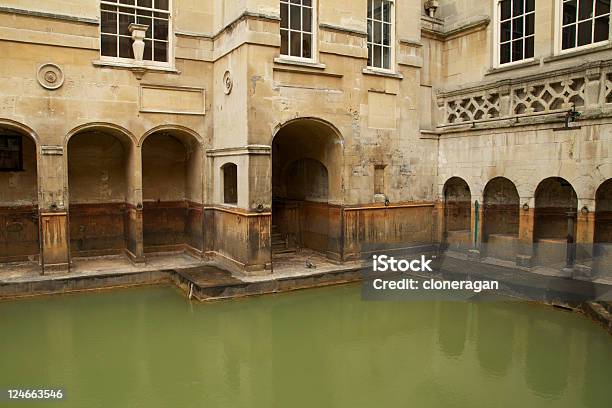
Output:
(50, 76)
(228, 83)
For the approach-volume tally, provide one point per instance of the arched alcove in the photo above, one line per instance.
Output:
(306, 182)
(501, 209)
(19, 227)
(172, 165)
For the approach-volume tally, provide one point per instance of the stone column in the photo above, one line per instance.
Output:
(526, 229)
(134, 206)
(476, 228)
(438, 215)
(585, 237)
(54, 226)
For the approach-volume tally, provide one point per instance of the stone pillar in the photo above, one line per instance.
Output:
(526, 229)
(476, 229)
(134, 206)
(585, 237)
(594, 81)
(54, 231)
(438, 228)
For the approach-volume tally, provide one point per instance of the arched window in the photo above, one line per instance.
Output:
(229, 174)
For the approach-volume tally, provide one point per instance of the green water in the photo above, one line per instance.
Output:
(150, 347)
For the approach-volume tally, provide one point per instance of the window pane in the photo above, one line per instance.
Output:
(530, 24)
(377, 56)
(370, 8)
(517, 50)
(124, 22)
(517, 28)
(505, 31)
(109, 46)
(161, 4)
(530, 5)
(602, 7)
(307, 3)
(529, 42)
(295, 17)
(160, 51)
(307, 45)
(569, 37)
(284, 42)
(130, 2)
(386, 57)
(504, 54)
(506, 11)
(584, 33)
(569, 12)
(585, 10)
(602, 28)
(369, 31)
(284, 15)
(307, 19)
(370, 55)
(145, 3)
(125, 47)
(386, 34)
(377, 32)
(387, 11)
(109, 23)
(377, 10)
(517, 7)
(161, 29)
(148, 53)
(295, 44)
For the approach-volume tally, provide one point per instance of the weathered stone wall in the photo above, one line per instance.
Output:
(227, 94)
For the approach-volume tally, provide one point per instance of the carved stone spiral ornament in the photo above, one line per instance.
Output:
(50, 76)
(228, 83)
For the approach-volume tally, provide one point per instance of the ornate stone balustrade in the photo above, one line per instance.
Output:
(588, 88)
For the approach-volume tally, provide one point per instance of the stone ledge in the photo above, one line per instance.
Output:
(65, 17)
(382, 73)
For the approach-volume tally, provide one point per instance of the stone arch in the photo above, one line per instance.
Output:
(457, 213)
(101, 164)
(19, 196)
(501, 212)
(310, 151)
(172, 189)
(603, 226)
(556, 204)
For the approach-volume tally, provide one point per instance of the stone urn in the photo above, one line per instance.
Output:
(138, 35)
(431, 6)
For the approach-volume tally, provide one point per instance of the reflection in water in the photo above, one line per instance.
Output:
(326, 347)
(547, 358)
(495, 337)
(452, 327)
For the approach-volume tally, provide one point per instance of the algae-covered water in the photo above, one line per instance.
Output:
(150, 347)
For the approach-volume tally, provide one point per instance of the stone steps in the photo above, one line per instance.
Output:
(600, 312)
(280, 244)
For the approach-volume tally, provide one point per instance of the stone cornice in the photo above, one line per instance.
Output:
(444, 34)
(344, 30)
(240, 151)
(64, 17)
(488, 85)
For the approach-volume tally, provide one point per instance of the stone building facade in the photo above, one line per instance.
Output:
(231, 130)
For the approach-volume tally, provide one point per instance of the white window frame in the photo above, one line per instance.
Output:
(497, 37)
(131, 61)
(314, 32)
(559, 33)
(391, 68)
